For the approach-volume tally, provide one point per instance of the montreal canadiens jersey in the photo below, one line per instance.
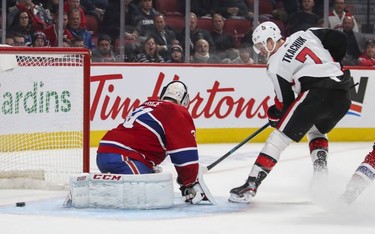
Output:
(302, 54)
(153, 131)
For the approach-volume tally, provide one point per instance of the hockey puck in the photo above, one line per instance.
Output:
(20, 204)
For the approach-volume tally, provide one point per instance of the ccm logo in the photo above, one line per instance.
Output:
(106, 177)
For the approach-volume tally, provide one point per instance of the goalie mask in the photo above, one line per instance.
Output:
(177, 91)
(261, 34)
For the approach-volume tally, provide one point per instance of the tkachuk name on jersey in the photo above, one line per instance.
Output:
(298, 43)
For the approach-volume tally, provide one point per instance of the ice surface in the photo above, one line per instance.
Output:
(288, 201)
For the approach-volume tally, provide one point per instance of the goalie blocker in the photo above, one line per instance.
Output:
(144, 191)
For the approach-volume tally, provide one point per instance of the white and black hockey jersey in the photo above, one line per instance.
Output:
(303, 62)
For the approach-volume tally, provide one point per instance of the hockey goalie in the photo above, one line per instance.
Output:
(128, 157)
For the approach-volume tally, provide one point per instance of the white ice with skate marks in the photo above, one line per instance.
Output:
(287, 200)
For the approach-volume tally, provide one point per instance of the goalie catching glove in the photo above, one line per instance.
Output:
(197, 192)
(193, 194)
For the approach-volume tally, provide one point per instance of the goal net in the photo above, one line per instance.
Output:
(44, 116)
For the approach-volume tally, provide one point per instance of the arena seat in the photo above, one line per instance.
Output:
(205, 23)
(92, 24)
(237, 28)
(169, 7)
(176, 23)
(265, 6)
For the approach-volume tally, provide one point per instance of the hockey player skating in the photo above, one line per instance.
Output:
(311, 96)
(154, 130)
(361, 179)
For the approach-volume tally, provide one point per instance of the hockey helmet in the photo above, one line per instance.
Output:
(261, 34)
(177, 91)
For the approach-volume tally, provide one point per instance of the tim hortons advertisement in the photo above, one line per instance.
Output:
(227, 102)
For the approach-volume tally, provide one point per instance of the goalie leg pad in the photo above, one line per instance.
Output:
(145, 191)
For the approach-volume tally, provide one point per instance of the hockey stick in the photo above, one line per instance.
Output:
(209, 167)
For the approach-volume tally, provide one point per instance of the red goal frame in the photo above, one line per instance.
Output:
(86, 87)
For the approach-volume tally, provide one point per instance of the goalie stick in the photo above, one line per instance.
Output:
(209, 167)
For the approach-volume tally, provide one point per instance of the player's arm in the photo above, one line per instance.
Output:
(184, 155)
(334, 41)
(284, 98)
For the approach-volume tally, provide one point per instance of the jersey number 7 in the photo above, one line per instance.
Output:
(302, 56)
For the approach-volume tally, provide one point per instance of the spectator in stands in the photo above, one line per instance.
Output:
(52, 6)
(38, 16)
(74, 27)
(164, 37)
(195, 34)
(104, 51)
(247, 37)
(19, 40)
(245, 55)
(303, 19)
(177, 55)
(111, 20)
(290, 6)
(149, 52)
(202, 8)
(9, 39)
(52, 31)
(336, 17)
(69, 5)
(39, 39)
(66, 43)
(223, 41)
(367, 58)
(24, 26)
(231, 8)
(356, 42)
(202, 53)
(90, 7)
(145, 19)
(102, 4)
(78, 42)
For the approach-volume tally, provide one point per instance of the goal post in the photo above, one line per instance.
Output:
(44, 116)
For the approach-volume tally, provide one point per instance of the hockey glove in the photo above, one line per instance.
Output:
(193, 194)
(274, 114)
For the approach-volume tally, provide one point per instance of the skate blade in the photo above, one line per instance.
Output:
(236, 199)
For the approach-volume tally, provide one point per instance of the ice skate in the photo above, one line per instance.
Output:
(244, 193)
(320, 171)
(320, 164)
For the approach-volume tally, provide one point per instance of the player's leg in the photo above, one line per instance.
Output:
(361, 179)
(318, 145)
(293, 126)
(333, 107)
(276, 143)
(120, 164)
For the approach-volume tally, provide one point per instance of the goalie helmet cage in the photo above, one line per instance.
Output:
(44, 116)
